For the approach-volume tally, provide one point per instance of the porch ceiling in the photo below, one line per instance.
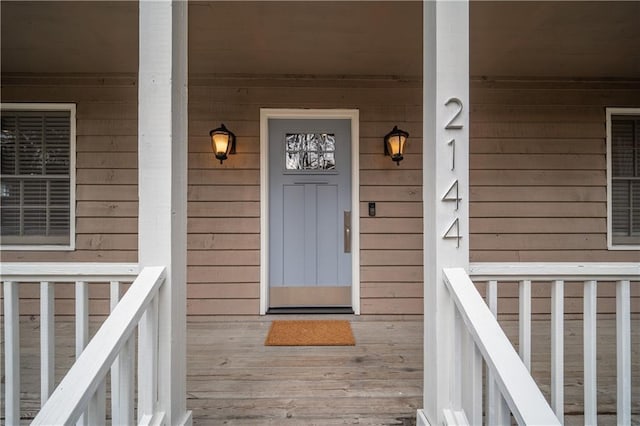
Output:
(517, 39)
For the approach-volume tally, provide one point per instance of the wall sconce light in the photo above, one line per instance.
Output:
(223, 142)
(394, 143)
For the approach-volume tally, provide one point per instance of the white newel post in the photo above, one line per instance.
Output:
(445, 191)
(162, 165)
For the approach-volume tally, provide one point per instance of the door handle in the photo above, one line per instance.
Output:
(347, 231)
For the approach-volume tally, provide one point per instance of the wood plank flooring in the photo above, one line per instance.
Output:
(243, 382)
(233, 379)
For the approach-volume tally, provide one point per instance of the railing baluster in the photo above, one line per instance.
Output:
(122, 374)
(492, 388)
(460, 359)
(114, 294)
(2, 352)
(557, 348)
(502, 412)
(12, 352)
(47, 340)
(471, 379)
(525, 323)
(82, 316)
(127, 374)
(114, 298)
(82, 326)
(623, 344)
(492, 297)
(97, 414)
(148, 361)
(590, 378)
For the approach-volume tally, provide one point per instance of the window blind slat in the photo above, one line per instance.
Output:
(635, 213)
(9, 220)
(622, 152)
(57, 145)
(8, 145)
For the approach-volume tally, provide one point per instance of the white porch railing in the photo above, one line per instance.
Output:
(81, 395)
(590, 274)
(477, 336)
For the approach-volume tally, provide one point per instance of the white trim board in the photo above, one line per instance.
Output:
(354, 116)
(610, 112)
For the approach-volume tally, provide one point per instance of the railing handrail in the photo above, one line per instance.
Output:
(518, 388)
(568, 271)
(72, 396)
(68, 271)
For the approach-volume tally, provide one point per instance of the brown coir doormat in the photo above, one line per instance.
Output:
(310, 333)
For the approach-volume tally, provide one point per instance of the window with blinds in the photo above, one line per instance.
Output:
(624, 184)
(36, 194)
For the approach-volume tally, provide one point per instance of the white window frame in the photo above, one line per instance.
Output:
(72, 174)
(611, 112)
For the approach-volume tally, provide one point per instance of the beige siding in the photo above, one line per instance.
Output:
(224, 208)
(106, 163)
(537, 168)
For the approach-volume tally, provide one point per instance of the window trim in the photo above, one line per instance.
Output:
(71, 107)
(611, 112)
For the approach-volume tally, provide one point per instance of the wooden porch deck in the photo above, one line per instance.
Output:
(233, 379)
(243, 382)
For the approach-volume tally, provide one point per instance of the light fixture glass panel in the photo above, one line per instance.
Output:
(221, 142)
(396, 144)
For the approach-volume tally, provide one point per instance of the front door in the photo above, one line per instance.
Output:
(309, 212)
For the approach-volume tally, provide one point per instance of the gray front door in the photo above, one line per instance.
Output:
(309, 212)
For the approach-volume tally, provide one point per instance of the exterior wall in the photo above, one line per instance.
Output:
(223, 206)
(106, 178)
(538, 170)
(538, 182)
(224, 224)
(106, 164)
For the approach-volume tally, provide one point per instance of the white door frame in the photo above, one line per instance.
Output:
(350, 114)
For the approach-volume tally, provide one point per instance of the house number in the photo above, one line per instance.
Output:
(452, 143)
(453, 194)
(453, 232)
(451, 125)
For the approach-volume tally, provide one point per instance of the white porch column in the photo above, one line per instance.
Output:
(445, 190)
(162, 165)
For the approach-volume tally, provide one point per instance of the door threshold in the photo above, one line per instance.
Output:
(311, 310)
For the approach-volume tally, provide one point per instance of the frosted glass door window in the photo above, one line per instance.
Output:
(310, 151)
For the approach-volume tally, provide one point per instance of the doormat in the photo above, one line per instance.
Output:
(310, 333)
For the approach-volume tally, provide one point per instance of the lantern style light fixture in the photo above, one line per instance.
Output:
(223, 142)
(394, 143)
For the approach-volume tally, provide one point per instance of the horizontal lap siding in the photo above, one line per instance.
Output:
(106, 164)
(538, 170)
(106, 179)
(539, 184)
(224, 199)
